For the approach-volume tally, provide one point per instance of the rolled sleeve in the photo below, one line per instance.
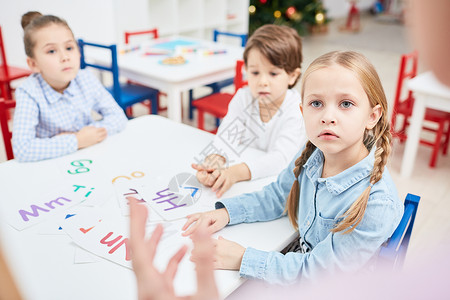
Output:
(253, 264)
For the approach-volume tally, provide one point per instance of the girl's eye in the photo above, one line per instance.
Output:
(273, 74)
(316, 103)
(69, 48)
(255, 73)
(346, 104)
(51, 51)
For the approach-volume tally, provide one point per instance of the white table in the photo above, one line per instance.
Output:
(43, 264)
(174, 79)
(429, 93)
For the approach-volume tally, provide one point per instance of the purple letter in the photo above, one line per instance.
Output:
(35, 212)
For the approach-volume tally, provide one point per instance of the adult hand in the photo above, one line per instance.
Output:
(154, 285)
(90, 135)
(213, 221)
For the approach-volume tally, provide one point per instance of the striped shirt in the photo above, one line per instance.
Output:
(41, 114)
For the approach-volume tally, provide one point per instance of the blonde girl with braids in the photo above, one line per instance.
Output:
(337, 191)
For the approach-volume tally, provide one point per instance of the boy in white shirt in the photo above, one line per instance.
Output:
(264, 116)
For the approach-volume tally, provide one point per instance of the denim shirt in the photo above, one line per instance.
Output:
(322, 202)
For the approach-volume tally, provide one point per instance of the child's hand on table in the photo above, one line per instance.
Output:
(228, 255)
(208, 170)
(227, 177)
(90, 135)
(213, 220)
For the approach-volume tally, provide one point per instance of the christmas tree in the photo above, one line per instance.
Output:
(302, 15)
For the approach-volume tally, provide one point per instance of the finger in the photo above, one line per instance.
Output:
(197, 167)
(219, 182)
(152, 244)
(212, 177)
(191, 219)
(191, 229)
(202, 177)
(204, 265)
(225, 187)
(214, 227)
(138, 218)
(172, 266)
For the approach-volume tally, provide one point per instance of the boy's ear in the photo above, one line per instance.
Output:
(33, 65)
(374, 117)
(294, 75)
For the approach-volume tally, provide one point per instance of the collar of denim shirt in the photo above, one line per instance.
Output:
(342, 181)
(50, 94)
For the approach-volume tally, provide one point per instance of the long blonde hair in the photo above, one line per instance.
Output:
(379, 136)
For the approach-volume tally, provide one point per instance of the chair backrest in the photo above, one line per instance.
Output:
(243, 37)
(113, 68)
(3, 62)
(408, 70)
(153, 32)
(394, 253)
(239, 77)
(5, 105)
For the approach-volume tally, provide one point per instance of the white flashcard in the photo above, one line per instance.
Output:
(77, 166)
(84, 257)
(127, 189)
(128, 174)
(91, 215)
(177, 197)
(108, 238)
(29, 212)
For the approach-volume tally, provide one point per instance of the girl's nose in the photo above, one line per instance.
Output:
(328, 117)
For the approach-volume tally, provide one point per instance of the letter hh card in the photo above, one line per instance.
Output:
(175, 198)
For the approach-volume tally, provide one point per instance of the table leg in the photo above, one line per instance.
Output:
(412, 142)
(174, 104)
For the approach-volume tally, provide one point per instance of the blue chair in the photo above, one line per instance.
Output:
(125, 94)
(217, 86)
(394, 253)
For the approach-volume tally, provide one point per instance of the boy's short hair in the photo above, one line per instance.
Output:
(281, 45)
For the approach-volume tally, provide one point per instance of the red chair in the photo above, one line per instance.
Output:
(5, 105)
(404, 106)
(8, 73)
(217, 104)
(154, 34)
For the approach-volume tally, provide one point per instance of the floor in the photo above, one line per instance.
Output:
(383, 43)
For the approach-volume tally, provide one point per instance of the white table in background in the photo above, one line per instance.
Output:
(43, 264)
(174, 79)
(428, 93)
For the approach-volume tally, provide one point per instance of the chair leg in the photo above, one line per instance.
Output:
(437, 145)
(154, 105)
(191, 108)
(447, 139)
(200, 119)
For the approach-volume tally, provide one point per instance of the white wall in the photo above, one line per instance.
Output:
(102, 21)
(89, 19)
